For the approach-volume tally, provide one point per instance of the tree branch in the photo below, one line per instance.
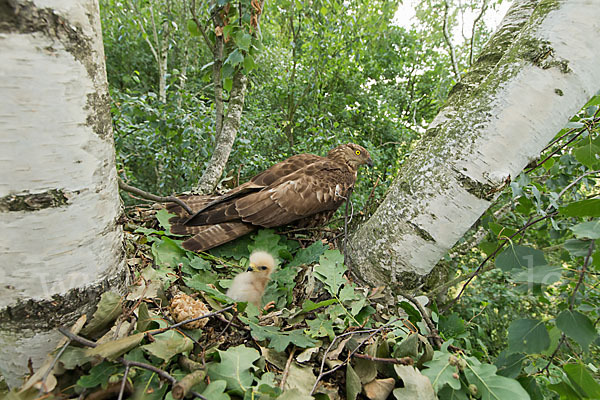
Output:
(150, 196)
(449, 42)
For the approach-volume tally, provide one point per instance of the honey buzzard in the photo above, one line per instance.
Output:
(304, 189)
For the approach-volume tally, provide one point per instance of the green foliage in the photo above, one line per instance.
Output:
(235, 367)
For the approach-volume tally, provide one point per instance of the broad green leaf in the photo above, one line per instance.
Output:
(108, 309)
(528, 336)
(583, 208)
(144, 318)
(589, 230)
(308, 305)
(565, 390)
(519, 257)
(353, 385)
(440, 372)
(193, 28)
(196, 282)
(168, 344)
(577, 247)
(409, 346)
(577, 326)
(236, 249)
(309, 255)
(73, 357)
(509, 365)
(416, 385)
(331, 270)
(99, 375)
(582, 380)
(216, 391)
(448, 393)
(235, 57)
(542, 274)
(163, 217)
(235, 368)
(452, 325)
(249, 63)
(228, 84)
(113, 349)
(587, 153)
(530, 385)
(242, 40)
(492, 386)
(168, 253)
(321, 326)
(267, 240)
(278, 340)
(200, 264)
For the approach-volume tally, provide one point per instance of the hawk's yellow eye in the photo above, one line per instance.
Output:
(357, 152)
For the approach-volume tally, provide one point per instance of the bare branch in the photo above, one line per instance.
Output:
(449, 42)
(150, 196)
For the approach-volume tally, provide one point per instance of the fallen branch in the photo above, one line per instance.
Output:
(153, 197)
(399, 361)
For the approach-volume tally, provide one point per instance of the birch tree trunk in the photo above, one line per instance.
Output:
(61, 246)
(537, 71)
(231, 124)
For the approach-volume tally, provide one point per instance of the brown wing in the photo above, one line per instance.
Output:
(209, 236)
(257, 183)
(317, 188)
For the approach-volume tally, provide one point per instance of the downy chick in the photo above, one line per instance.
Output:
(250, 285)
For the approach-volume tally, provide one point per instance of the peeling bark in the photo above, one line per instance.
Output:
(496, 120)
(58, 193)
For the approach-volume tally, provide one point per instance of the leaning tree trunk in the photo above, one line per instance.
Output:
(538, 69)
(61, 246)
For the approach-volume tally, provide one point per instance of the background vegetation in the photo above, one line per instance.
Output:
(326, 72)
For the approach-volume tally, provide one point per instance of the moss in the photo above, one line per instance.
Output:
(34, 202)
(61, 310)
(480, 190)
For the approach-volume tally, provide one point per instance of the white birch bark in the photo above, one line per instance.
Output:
(537, 71)
(61, 245)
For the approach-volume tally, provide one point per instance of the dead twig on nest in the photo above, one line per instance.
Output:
(153, 197)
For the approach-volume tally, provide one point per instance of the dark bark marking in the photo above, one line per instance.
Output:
(34, 202)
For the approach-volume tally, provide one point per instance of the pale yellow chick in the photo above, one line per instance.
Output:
(250, 285)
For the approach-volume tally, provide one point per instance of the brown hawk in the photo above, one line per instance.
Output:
(305, 189)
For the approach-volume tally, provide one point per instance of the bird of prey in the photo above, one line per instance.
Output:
(250, 285)
(304, 189)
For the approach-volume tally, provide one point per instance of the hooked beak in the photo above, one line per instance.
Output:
(251, 267)
(370, 162)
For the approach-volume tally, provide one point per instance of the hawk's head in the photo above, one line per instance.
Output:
(352, 154)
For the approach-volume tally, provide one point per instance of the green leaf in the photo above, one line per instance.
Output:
(216, 391)
(98, 375)
(586, 154)
(197, 283)
(440, 372)
(249, 63)
(577, 247)
(108, 309)
(589, 230)
(163, 217)
(193, 28)
(582, 380)
(452, 325)
(73, 357)
(577, 326)
(519, 257)
(144, 319)
(235, 57)
(331, 270)
(492, 386)
(416, 385)
(168, 253)
(353, 385)
(168, 344)
(542, 274)
(321, 326)
(509, 365)
(278, 340)
(583, 208)
(235, 368)
(267, 240)
(236, 249)
(565, 390)
(242, 40)
(528, 336)
(309, 306)
(448, 393)
(113, 349)
(227, 84)
(309, 255)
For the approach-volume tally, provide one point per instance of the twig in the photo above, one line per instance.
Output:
(435, 336)
(153, 197)
(183, 387)
(51, 367)
(475, 22)
(399, 361)
(286, 371)
(546, 368)
(123, 382)
(163, 374)
(449, 43)
(581, 274)
(177, 325)
(373, 333)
